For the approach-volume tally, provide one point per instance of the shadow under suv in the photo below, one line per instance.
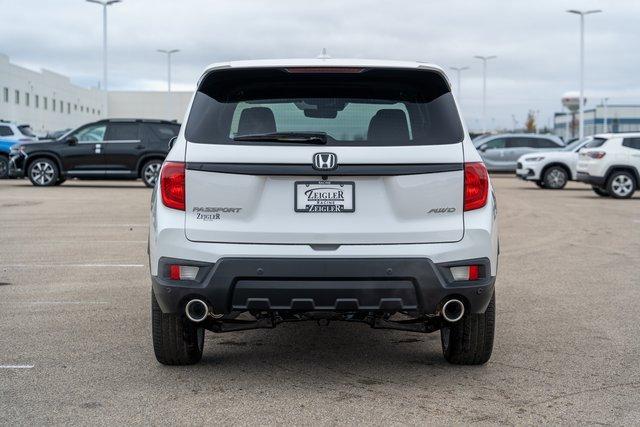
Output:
(107, 149)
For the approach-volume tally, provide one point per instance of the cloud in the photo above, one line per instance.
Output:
(536, 42)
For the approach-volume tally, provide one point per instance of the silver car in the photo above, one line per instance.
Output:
(501, 152)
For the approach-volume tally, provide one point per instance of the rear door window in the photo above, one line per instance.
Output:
(161, 132)
(632, 143)
(123, 132)
(352, 107)
(518, 143)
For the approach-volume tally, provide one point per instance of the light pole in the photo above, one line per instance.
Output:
(484, 60)
(104, 4)
(169, 53)
(605, 127)
(582, 14)
(459, 71)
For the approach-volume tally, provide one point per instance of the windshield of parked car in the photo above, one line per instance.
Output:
(329, 106)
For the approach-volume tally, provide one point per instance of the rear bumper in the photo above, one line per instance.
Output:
(598, 181)
(323, 284)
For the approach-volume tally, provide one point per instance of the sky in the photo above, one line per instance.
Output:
(536, 43)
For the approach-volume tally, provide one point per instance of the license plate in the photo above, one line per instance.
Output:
(325, 196)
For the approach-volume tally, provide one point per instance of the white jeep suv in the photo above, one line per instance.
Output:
(323, 190)
(552, 169)
(611, 164)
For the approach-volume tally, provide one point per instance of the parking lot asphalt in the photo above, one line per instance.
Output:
(75, 339)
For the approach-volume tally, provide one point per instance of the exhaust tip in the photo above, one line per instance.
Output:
(196, 310)
(453, 310)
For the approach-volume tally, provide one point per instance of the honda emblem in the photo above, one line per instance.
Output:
(325, 161)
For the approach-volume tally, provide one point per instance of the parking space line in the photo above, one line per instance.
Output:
(55, 241)
(72, 265)
(51, 302)
(16, 366)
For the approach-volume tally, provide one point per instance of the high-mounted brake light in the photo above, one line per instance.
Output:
(172, 185)
(476, 186)
(333, 70)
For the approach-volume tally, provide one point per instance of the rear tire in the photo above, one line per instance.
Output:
(4, 167)
(600, 191)
(540, 184)
(621, 185)
(555, 178)
(43, 172)
(150, 172)
(60, 181)
(469, 341)
(176, 340)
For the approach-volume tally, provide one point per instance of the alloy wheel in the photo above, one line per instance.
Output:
(42, 173)
(556, 178)
(151, 173)
(622, 185)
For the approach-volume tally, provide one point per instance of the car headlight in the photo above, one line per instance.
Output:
(534, 159)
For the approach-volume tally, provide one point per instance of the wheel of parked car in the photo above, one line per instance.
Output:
(621, 185)
(60, 181)
(176, 340)
(43, 172)
(555, 178)
(469, 341)
(600, 191)
(151, 172)
(540, 184)
(4, 167)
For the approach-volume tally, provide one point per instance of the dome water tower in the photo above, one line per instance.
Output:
(571, 101)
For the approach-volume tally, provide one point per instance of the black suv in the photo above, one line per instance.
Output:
(107, 149)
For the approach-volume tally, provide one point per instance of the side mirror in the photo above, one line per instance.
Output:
(72, 140)
(172, 141)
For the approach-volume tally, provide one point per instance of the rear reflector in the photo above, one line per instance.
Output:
(476, 186)
(172, 185)
(182, 272)
(465, 272)
(474, 272)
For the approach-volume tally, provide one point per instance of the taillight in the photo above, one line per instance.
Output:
(183, 272)
(596, 154)
(465, 272)
(476, 186)
(172, 185)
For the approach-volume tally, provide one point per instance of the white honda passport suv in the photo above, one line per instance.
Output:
(323, 190)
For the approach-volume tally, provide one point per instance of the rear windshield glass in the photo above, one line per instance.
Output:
(356, 107)
(26, 130)
(597, 142)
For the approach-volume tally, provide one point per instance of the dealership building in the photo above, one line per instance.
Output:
(48, 101)
(600, 119)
